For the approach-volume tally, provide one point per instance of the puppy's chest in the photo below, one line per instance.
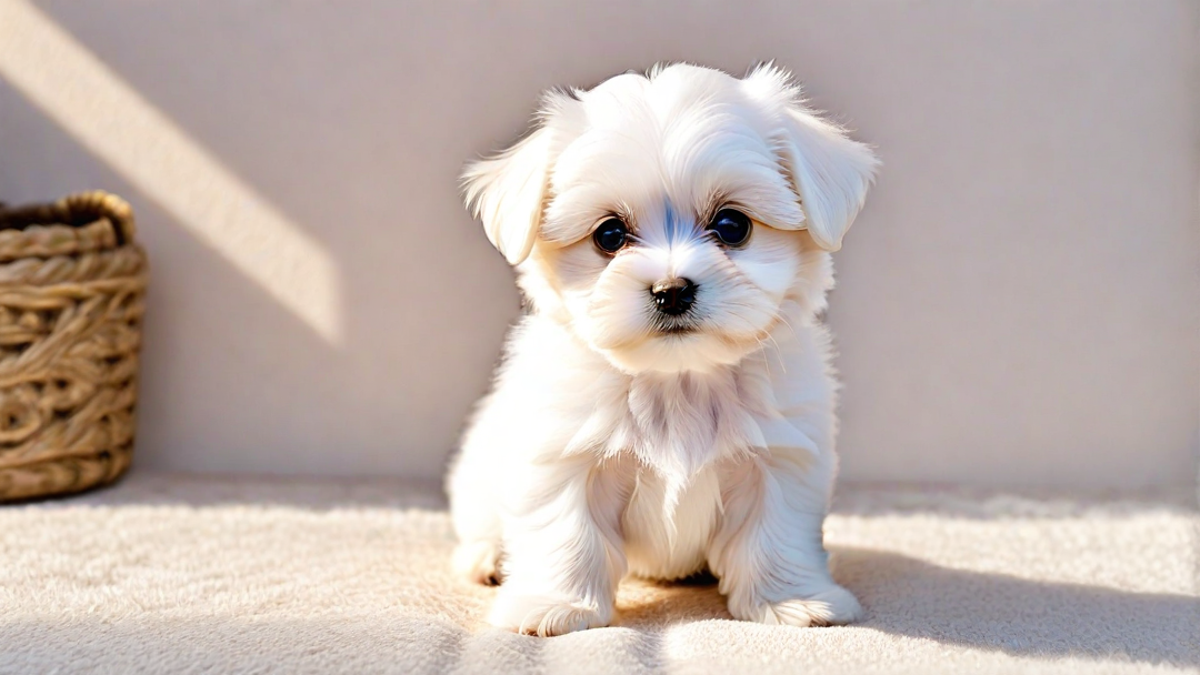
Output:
(675, 425)
(667, 536)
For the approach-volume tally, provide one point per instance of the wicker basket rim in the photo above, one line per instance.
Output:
(74, 211)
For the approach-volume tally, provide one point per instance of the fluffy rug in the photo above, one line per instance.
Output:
(177, 574)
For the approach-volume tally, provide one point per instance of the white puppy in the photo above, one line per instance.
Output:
(666, 404)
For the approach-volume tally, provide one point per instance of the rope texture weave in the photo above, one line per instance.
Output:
(72, 289)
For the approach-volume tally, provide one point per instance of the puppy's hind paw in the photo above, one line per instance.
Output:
(543, 616)
(834, 606)
(478, 562)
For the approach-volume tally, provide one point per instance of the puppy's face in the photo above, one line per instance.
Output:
(665, 219)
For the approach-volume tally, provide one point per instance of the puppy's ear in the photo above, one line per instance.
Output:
(829, 171)
(508, 192)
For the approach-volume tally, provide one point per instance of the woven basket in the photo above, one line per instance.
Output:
(72, 283)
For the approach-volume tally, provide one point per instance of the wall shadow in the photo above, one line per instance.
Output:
(140, 487)
(214, 342)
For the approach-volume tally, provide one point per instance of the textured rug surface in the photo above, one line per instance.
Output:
(179, 574)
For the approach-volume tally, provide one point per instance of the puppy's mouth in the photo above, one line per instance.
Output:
(676, 328)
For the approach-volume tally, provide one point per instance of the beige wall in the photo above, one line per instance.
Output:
(1019, 302)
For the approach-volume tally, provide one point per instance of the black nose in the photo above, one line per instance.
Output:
(674, 296)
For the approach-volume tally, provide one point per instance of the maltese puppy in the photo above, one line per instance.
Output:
(665, 406)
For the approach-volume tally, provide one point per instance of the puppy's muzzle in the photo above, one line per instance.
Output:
(673, 297)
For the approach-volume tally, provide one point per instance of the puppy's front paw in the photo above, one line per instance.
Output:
(543, 615)
(831, 607)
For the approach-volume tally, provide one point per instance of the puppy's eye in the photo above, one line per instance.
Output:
(731, 226)
(611, 236)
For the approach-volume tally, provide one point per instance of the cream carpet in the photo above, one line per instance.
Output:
(177, 574)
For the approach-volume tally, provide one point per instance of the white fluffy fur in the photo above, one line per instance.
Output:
(607, 447)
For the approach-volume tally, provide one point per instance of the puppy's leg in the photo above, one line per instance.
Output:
(563, 552)
(769, 554)
(475, 512)
(476, 558)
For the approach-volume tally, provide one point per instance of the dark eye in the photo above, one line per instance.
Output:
(731, 226)
(611, 236)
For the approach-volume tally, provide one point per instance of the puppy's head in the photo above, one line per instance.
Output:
(666, 218)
